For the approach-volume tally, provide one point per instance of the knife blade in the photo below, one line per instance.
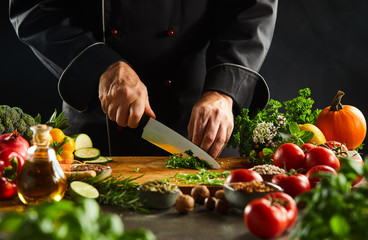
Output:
(172, 142)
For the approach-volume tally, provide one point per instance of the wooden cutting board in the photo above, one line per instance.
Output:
(153, 168)
(144, 169)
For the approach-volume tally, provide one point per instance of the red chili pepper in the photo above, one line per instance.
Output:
(10, 166)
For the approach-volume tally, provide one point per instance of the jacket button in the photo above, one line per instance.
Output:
(114, 32)
(167, 83)
(170, 33)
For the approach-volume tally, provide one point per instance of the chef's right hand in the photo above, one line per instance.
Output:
(123, 96)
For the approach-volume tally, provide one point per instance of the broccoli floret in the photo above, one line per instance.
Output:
(2, 129)
(21, 126)
(17, 112)
(28, 135)
(9, 128)
(28, 119)
(12, 118)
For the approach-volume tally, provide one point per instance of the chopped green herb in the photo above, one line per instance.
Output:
(187, 161)
(136, 170)
(203, 177)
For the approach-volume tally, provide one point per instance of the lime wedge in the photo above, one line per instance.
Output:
(80, 189)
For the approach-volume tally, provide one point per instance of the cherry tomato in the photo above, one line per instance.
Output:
(265, 219)
(357, 158)
(293, 184)
(243, 175)
(307, 146)
(321, 156)
(289, 156)
(313, 180)
(288, 203)
(334, 145)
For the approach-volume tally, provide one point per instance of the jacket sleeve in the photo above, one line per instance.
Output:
(65, 45)
(241, 37)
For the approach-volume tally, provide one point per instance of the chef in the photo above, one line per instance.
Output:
(190, 64)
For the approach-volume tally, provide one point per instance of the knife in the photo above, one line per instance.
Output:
(172, 142)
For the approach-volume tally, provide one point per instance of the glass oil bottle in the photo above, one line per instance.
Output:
(41, 178)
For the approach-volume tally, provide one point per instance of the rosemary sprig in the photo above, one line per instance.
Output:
(187, 161)
(118, 191)
(203, 177)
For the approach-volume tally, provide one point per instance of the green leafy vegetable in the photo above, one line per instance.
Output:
(333, 209)
(68, 220)
(203, 177)
(272, 126)
(187, 161)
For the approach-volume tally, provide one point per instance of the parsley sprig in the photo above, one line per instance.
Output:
(266, 129)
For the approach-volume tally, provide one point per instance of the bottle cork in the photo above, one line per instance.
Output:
(41, 135)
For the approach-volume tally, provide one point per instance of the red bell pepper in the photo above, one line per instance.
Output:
(10, 166)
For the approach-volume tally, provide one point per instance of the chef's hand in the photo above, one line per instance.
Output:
(123, 96)
(212, 122)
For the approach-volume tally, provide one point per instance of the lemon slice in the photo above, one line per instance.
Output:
(318, 137)
(80, 189)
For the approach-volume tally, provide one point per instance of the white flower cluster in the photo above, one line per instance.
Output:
(281, 121)
(264, 132)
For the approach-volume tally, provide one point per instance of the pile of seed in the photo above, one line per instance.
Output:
(252, 186)
(267, 169)
(159, 186)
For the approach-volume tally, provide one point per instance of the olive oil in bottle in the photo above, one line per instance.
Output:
(41, 178)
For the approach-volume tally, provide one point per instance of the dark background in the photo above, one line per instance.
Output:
(320, 44)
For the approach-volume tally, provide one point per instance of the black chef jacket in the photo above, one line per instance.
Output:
(179, 49)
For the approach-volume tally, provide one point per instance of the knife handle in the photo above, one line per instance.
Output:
(144, 120)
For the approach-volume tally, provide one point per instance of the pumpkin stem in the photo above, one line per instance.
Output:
(336, 102)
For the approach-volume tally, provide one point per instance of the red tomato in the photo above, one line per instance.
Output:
(336, 146)
(243, 175)
(265, 219)
(321, 156)
(307, 146)
(357, 158)
(289, 156)
(288, 203)
(294, 184)
(313, 180)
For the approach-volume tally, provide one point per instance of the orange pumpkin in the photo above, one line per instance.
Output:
(342, 123)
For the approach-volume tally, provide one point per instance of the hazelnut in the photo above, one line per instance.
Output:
(210, 203)
(219, 194)
(199, 193)
(184, 203)
(221, 206)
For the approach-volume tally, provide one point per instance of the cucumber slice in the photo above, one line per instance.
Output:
(80, 189)
(100, 160)
(82, 140)
(88, 153)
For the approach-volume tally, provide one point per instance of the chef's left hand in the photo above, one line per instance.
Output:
(211, 122)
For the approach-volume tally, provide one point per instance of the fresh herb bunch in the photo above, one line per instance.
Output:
(187, 161)
(83, 220)
(263, 132)
(204, 177)
(333, 209)
(117, 191)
